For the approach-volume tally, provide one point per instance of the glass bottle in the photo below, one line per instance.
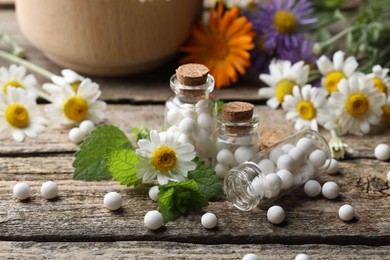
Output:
(192, 110)
(277, 170)
(236, 137)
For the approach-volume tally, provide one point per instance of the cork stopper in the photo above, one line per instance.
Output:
(192, 74)
(237, 111)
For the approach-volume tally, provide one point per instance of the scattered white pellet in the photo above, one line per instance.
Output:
(330, 190)
(317, 158)
(205, 121)
(173, 116)
(298, 155)
(333, 166)
(250, 257)
(76, 135)
(287, 147)
(266, 166)
(21, 191)
(220, 169)
(187, 126)
(225, 157)
(312, 188)
(302, 257)
(275, 214)
(209, 220)
(153, 193)
(49, 190)
(243, 154)
(275, 154)
(286, 162)
(346, 212)
(382, 152)
(388, 176)
(112, 200)
(87, 127)
(306, 144)
(287, 178)
(153, 220)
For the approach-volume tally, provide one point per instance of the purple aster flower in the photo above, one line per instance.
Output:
(280, 22)
(304, 51)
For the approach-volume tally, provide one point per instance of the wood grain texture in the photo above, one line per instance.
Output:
(172, 250)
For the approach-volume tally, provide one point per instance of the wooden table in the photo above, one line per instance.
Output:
(77, 226)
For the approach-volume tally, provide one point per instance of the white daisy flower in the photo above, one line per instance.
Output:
(386, 111)
(307, 107)
(69, 77)
(380, 78)
(69, 107)
(281, 80)
(16, 77)
(165, 157)
(356, 106)
(334, 71)
(20, 115)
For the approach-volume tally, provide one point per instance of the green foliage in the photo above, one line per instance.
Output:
(141, 133)
(208, 182)
(121, 164)
(219, 104)
(90, 160)
(178, 198)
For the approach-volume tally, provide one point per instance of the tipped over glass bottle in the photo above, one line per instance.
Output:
(277, 170)
(191, 110)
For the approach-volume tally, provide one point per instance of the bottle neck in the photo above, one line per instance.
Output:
(189, 94)
(237, 129)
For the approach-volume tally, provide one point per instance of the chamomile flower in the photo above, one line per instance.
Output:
(164, 157)
(386, 111)
(20, 115)
(281, 80)
(335, 70)
(16, 77)
(380, 78)
(356, 106)
(307, 107)
(69, 77)
(69, 107)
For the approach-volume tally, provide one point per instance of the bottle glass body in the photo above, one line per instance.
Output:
(192, 111)
(277, 170)
(235, 143)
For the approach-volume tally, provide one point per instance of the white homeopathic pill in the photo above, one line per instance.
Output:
(250, 257)
(76, 135)
(275, 214)
(306, 144)
(302, 257)
(220, 169)
(273, 181)
(49, 190)
(173, 116)
(333, 166)
(287, 147)
(209, 220)
(225, 157)
(21, 191)
(243, 153)
(287, 178)
(205, 121)
(153, 193)
(187, 126)
(382, 152)
(388, 176)
(312, 188)
(286, 162)
(346, 212)
(153, 220)
(87, 127)
(275, 154)
(317, 158)
(330, 190)
(112, 200)
(298, 155)
(266, 166)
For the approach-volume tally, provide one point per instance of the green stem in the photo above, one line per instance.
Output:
(338, 36)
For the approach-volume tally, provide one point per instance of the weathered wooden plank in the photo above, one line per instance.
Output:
(152, 86)
(78, 214)
(171, 250)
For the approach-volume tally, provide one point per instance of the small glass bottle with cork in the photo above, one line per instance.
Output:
(191, 110)
(236, 137)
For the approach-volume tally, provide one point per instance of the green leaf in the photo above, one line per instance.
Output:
(178, 198)
(90, 160)
(141, 133)
(121, 164)
(208, 182)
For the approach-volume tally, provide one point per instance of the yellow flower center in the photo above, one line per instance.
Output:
(332, 79)
(306, 110)
(164, 158)
(284, 87)
(386, 114)
(357, 105)
(12, 83)
(75, 85)
(76, 108)
(285, 22)
(17, 116)
(378, 83)
(218, 47)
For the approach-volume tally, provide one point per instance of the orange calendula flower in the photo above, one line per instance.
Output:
(223, 46)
